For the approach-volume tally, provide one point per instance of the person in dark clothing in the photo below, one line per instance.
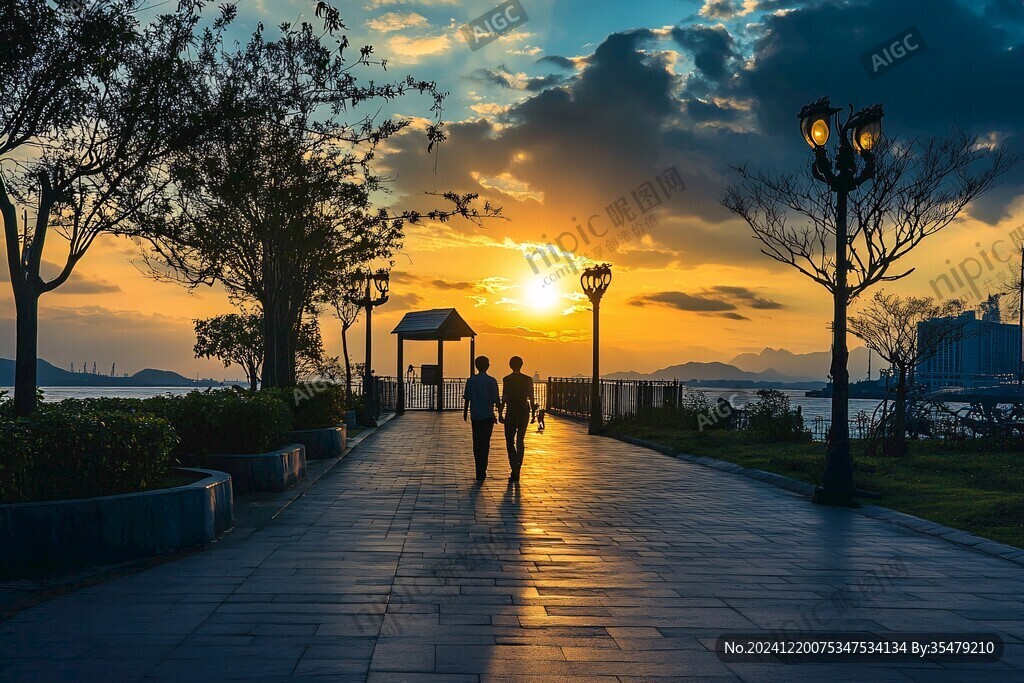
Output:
(481, 399)
(516, 411)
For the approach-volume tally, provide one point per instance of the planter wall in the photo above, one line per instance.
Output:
(321, 443)
(52, 536)
(260, 472)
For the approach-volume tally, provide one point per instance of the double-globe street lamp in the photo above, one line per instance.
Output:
(369, 290)
(595, 281)
(858, 135)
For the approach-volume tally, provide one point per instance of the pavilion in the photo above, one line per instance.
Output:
(440, 325)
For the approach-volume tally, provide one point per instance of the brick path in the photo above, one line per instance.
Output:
(608, 563)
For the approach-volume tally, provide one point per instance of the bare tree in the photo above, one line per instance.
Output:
(1013, 290)
(347, 313)
(916, 190)
(889, 325)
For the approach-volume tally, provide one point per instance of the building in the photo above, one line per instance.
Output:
(985, 354)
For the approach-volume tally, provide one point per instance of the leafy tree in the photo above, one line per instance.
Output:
(889, 326)
(237, 339)
(280, 202)
(90, 100)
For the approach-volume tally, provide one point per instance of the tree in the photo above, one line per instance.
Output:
(279, 203)
(890, 325)
(90, 101)
(237, 339)
(1013, 290)
(347, 313)
(917, 189)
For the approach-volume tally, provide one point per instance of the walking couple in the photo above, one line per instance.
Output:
(515, 410)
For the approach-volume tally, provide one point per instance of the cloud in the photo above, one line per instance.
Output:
(746, 296)
(501, 77)
(683, 302)
(397, 21)
(720, 300)
(78, 283)
(727, 9)
(529, 50)
(508, 184)
(555, 60)
(712, 49)
(376, 4)
(410, 50)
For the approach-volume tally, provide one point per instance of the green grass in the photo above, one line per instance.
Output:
(978, 492)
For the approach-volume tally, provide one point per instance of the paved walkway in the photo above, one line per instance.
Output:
(608, 563)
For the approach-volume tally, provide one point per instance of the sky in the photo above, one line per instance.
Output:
(560, 121)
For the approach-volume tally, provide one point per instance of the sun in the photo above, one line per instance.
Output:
(540, 297)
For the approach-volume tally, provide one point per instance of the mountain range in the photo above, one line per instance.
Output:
(49, 375)
(776, 366)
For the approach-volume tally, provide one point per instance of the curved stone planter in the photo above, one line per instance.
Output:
(259, 472)
(58, 535)
(321, 443)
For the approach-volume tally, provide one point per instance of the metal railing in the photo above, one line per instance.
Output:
(419, 396)
(570, 396)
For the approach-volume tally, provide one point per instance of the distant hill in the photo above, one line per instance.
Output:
(707, 372)
(50, 375)
(769, 367)
(808, 366)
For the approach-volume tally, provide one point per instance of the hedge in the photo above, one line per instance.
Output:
(78, 451)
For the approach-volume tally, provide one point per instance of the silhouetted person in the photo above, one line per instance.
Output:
(516, 411)
(540, 417)
(481, 400)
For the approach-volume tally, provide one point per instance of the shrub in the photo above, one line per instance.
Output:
(317, 405)
(771, 419)
(212, 421)
(224, 421)
(77, 451)
(693, 412)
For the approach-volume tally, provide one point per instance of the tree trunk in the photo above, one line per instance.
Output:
(252, 374)
(837, 485)
(348, 366)
(279, 343)
(896, 442)
(25, 388)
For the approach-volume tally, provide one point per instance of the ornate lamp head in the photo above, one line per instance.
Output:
(814, 122)
(595, 281)
(866, 127)
(382, 281)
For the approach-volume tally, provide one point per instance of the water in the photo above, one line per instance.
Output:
(52, 394)
(813, 407)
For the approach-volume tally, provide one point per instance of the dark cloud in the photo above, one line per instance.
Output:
(747, 296)
(503, 78)
(683, 302)
(555, 60)
(625, 115)
(720, 300)
(712, 49)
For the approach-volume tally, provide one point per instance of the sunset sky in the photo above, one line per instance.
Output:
(561, 118)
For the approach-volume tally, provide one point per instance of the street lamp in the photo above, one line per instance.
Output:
(369, 290)
(858, 135)
(595, 281)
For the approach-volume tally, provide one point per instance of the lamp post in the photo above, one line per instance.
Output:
(595, 281)
(858, 135)
(369, 290)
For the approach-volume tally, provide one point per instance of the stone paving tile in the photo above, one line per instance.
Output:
(608, 562)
